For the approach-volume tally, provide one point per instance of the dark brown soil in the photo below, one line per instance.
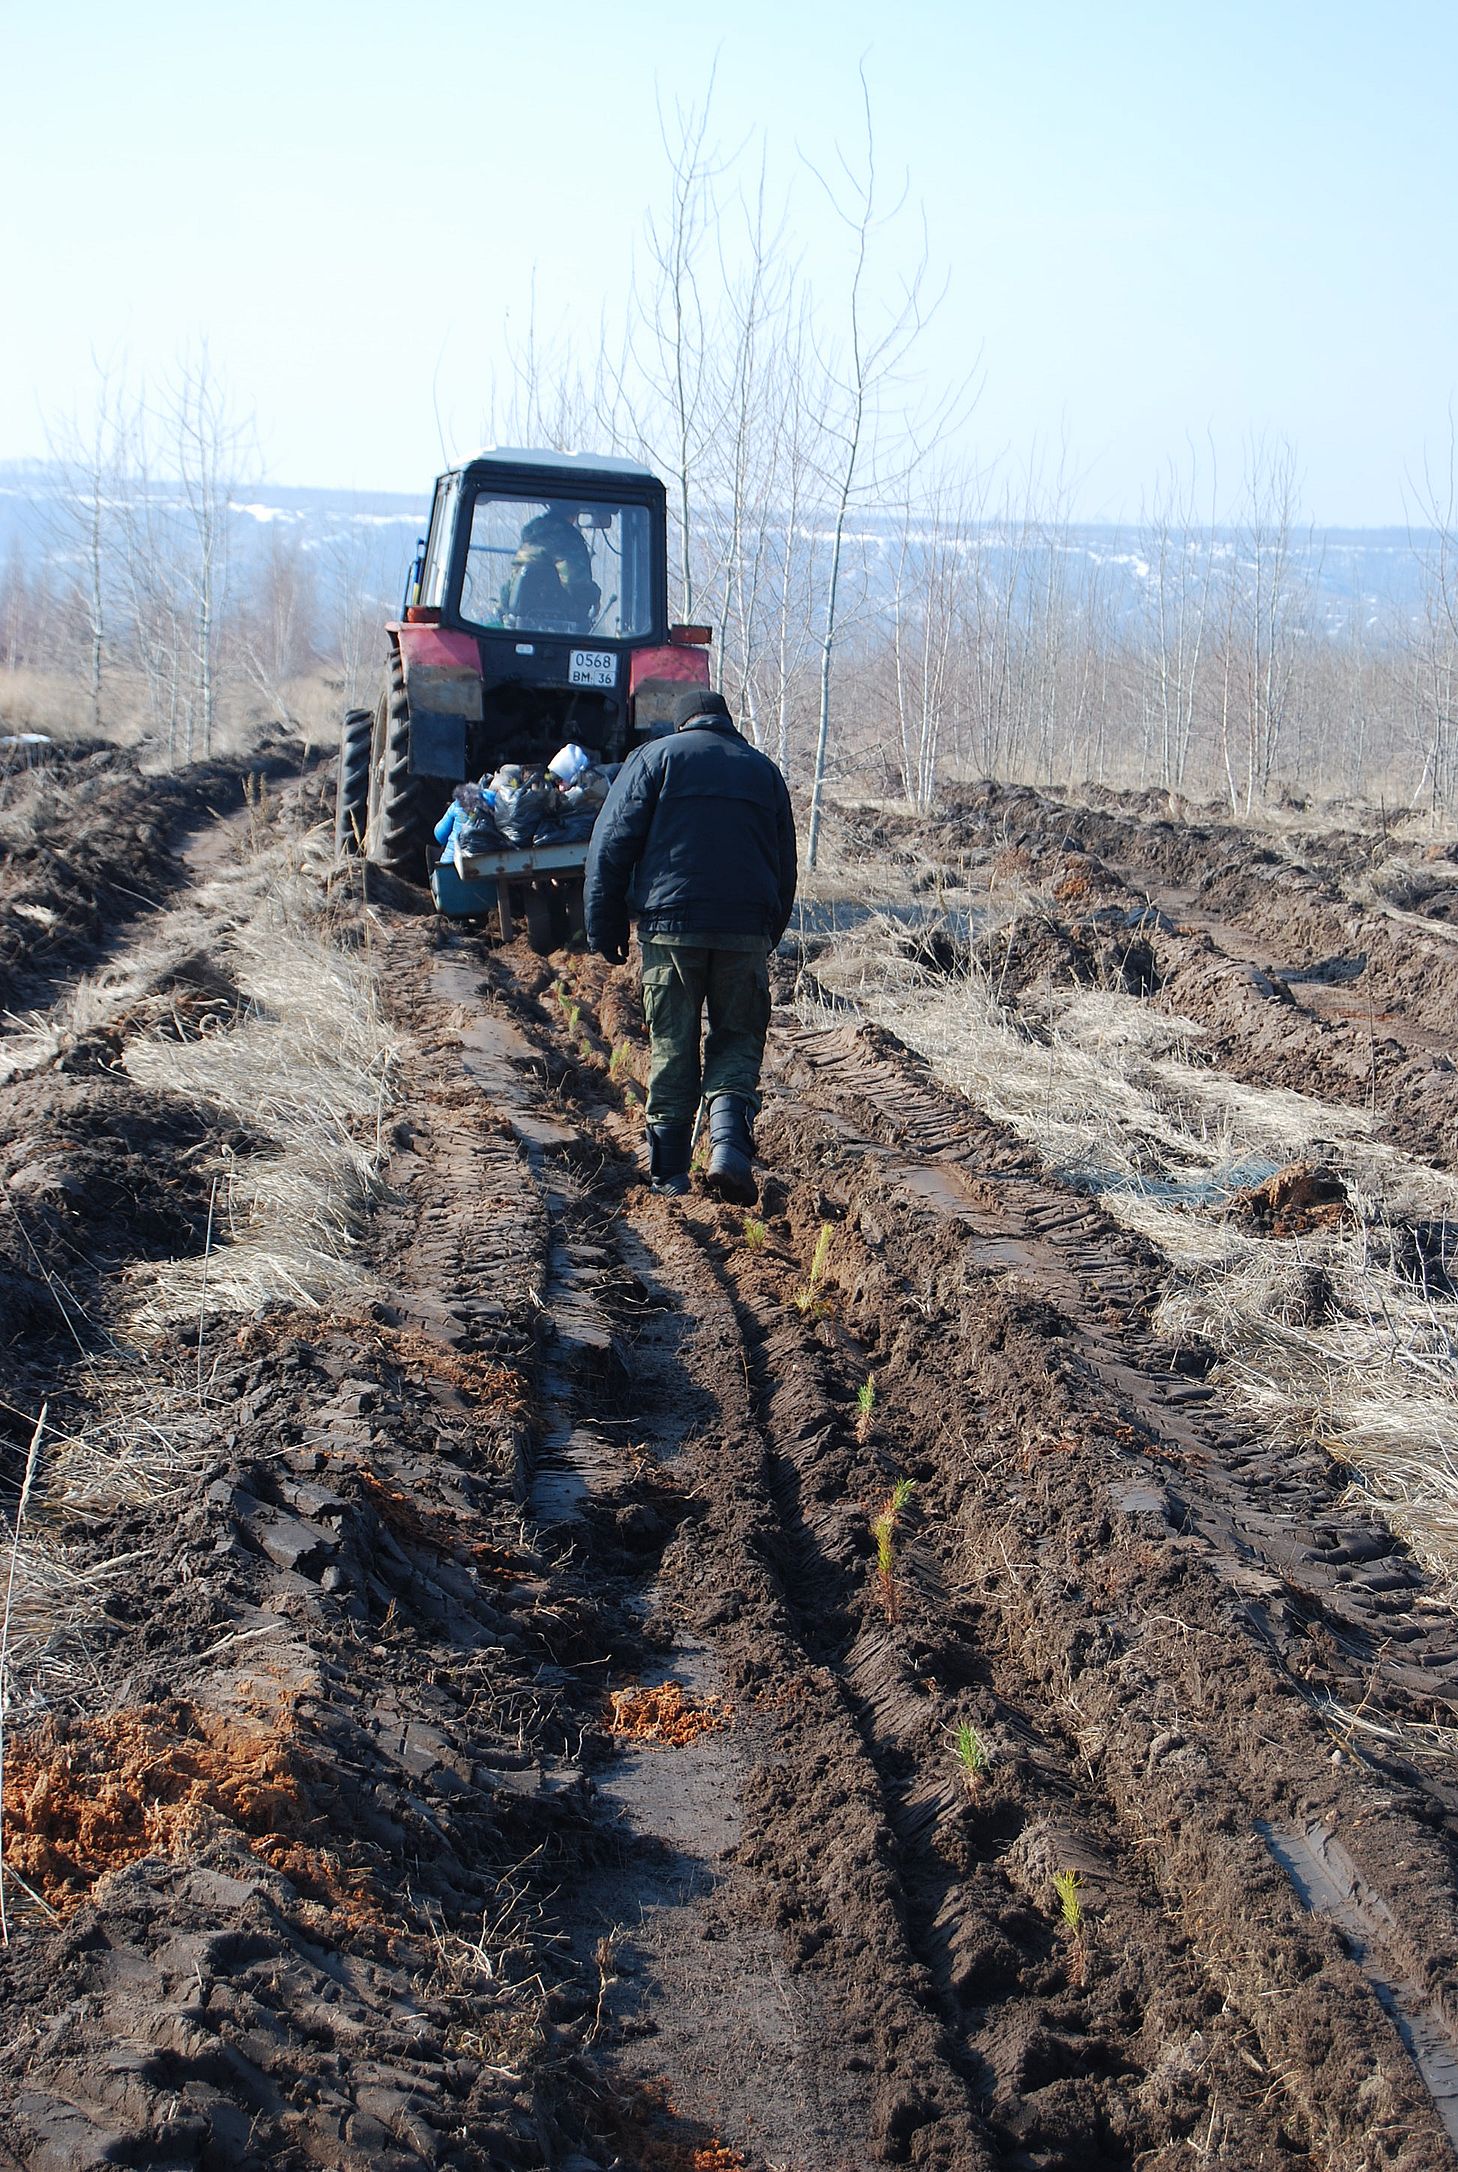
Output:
(508, 1749)
(88, 844)
(1287, 948)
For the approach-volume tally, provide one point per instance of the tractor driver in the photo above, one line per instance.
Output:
(551, 583)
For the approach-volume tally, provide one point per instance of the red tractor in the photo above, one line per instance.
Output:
(536, 615)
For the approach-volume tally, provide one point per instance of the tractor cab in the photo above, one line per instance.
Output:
(536, 615)
(555, 566)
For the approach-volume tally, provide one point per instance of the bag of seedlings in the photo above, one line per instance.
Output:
(589, 789)
(567, 828)
(523, 800)
(480, 834)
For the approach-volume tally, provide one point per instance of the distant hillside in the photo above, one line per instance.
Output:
(351, 536)
(364, 539)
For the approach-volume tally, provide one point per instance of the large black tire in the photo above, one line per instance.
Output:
(537, 912)
(352, 785)
(403, 807)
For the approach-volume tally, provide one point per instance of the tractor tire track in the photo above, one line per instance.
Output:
(809, 1517)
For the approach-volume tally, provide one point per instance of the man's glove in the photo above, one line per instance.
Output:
(614, 948)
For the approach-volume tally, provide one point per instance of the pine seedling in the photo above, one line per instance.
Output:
(1070, 1907)
(971, 1755)
(619, 1059)
(809, 1300)
(883, 1531)
(1065, 1885)
(865, 1407)
(754, 1233)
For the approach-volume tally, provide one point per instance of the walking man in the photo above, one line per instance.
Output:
(696, 842)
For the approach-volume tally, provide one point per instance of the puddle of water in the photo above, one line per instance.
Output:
(838, 916)
(990, 1245)
(1328, 1884)
(1201, 1188)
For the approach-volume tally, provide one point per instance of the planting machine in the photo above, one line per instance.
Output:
(535, 616)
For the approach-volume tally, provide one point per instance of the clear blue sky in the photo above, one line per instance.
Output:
(1157, 221)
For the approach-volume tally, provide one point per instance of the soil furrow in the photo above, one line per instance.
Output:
(1093, 1667)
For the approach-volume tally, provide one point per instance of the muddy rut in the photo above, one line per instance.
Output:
(649, 1685)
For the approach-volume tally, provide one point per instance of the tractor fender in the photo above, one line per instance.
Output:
(655, 677)
(443, 688)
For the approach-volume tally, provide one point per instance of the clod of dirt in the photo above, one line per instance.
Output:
(664, 1715)
(86, 1798)
(1426, 1254)
(934, 950)
(1083, 877)
(1302, 1197)
(1110, 948)
(654, 2135)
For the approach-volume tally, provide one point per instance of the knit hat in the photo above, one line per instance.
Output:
(697, 701)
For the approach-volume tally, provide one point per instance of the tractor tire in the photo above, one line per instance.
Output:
(540, 920)
(352, 786)
(403, 807)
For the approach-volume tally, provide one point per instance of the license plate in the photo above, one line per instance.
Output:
(593, 667)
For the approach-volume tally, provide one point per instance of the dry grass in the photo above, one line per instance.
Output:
(1106, 1088)
(310, 1065)
(1111, 1095)
(42, 701)
(1374, 1380)
(302, 1063)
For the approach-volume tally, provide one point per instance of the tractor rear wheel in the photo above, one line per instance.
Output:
(352, 785)
(537, 912)
(402, 806)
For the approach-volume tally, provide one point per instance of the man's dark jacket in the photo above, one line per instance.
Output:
(696, 837)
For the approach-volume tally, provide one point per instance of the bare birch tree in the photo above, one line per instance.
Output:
(869, 451)
(90, 458)
(1436, 644)
(205, 441)
(1178, 594)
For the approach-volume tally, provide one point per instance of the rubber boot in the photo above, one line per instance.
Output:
(669, 1148)
(731, 1150)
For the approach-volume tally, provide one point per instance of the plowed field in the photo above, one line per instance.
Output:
(505, 1669)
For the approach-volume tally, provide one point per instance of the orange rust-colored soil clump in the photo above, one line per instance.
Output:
(1076, 883)
(1299, 1198)
(82, 1799)
(664, 1715)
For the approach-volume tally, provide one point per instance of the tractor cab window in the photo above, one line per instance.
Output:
(438, 545)
(559, 566)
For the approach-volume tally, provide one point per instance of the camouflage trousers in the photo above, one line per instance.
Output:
(680, 983)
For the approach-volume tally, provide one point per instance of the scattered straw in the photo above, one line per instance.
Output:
(21, 1505)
